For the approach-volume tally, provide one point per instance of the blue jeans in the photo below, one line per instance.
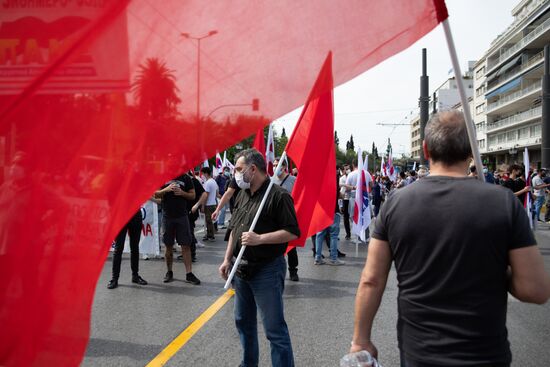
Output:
(539, 202)
(264, 290)
(334, 231)
(221, 217)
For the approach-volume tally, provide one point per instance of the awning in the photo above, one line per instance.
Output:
(506, 87)
(509, 65)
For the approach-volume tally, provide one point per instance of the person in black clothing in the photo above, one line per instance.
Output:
(376, 196)
(260, 278)
(175, 195)
(133, 228)
(516, 183)
(194, 216)
(453, 275)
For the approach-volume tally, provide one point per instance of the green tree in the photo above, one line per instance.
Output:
(336, 139)
(350, 145)
(155, 89)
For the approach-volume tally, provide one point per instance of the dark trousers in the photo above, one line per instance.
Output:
(293, 260)
(192, 220)
(410, 363)
(133, 228)
(346, 218)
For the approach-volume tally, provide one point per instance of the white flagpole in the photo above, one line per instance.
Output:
(465, 106)
(253, 225)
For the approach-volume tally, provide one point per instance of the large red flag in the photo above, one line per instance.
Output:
(101, 102)
(311, 147)
(259, 141)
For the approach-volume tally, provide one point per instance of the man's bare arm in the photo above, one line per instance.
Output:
(529, 281)
(369, 294)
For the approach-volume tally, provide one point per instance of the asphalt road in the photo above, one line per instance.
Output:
(132, 324)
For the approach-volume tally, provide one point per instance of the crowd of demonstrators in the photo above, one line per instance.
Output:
(344, 172)
(460, 318)
(223, 181)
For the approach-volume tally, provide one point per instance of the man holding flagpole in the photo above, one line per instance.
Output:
(261, 274)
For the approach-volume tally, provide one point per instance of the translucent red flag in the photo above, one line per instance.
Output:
(311, 148)
(101, 102)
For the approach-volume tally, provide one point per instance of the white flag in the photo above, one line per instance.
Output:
(527, 202)
(270, 151)
(361, 210)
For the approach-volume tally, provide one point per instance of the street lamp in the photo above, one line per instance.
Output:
(199, 39)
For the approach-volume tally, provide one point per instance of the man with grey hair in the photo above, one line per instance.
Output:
(455, 265)
(260, 278)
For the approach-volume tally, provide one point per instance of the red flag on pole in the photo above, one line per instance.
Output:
(312, 141)
(259, 141)
(97, 96)
(270, 151)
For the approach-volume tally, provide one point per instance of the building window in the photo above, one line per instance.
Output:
(480, 91)
(492, 140)
(480, 109)
(501, 137)
(480, 72)
(481, 143)
(523, 133)
(511, 135)
(534, 131)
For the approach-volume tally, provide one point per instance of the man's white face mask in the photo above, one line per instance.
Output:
(242, 182)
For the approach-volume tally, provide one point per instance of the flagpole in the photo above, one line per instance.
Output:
(465, 106)
(253, 225)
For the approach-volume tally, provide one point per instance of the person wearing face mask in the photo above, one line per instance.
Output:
(286, 181)
(259, 281)
(489, 178)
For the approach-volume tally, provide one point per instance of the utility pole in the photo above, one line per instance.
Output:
(545, 146)
(423, 102)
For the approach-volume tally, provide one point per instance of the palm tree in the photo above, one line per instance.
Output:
(155, 89)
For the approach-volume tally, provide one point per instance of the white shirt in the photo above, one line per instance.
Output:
(211, 187)
(537, 181)
(343, 190)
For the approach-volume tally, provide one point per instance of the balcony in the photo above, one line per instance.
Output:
(518, 144)
(514, 96)
(506, 77)
(521, 44)
(515, 119)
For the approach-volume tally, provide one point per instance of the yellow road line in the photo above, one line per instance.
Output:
(187, 334)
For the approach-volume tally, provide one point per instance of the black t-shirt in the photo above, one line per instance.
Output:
(278, 213)
(176, 206)
(516, 185)
(450, 238)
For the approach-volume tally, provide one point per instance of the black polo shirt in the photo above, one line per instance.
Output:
(278, 213)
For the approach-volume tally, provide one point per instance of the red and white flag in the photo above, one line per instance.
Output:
(361, 211)
(218, 167)
(527, 201)
(270, 151)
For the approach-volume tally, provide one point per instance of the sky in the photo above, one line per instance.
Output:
(388, 93)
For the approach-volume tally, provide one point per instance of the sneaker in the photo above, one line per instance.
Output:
(294, 275)
(319, 262)
(336, 262)
(191, 278)
(180, 257)
(348, 238)
(341, 254)
(223, 227)
(212, 239)
(113, 283)
(139, 280)
(200, 244)
(205, 238)
(169, 277)
(194, 259)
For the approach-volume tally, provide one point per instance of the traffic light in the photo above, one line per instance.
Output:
(255, 104)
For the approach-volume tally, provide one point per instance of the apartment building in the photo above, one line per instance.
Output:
(507, 82)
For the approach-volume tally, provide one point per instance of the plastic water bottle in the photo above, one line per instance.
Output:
(359, 359)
